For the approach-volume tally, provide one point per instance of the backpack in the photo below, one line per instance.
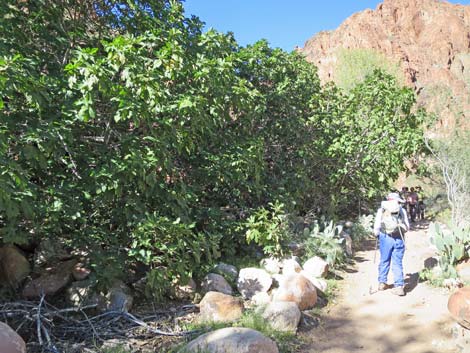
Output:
(392, 222)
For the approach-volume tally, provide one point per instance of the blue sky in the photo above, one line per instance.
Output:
(284, 23)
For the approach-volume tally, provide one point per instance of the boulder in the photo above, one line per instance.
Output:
(253, 280)
(261, 298)
(298, 289)
(290, 266)
(271, 265)
(14, 267)
(463, 270)
(119, 298)
(316, 267)
(219, 307)
(319, 283)
(283, 316)
(232, 340)
(216, 283)
(10, 341)
(50, 282)
(459, 306)
(229, 272)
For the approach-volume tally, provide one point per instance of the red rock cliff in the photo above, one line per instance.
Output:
(430, 39)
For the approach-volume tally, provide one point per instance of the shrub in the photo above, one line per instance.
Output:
(269, 228)
(324, 240)
(362, 228)
(174, 250)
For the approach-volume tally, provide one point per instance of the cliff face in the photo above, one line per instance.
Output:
(429, 38)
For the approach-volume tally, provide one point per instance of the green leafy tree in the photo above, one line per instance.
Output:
(129, 133)
(368, 134)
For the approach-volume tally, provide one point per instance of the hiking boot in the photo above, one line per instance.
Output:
(399, 291)
(382, 286)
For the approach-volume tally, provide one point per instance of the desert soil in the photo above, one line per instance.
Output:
(382, 322)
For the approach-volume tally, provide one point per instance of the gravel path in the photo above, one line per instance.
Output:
(382, 322)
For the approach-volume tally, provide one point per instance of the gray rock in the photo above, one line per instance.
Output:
(229, 272)
(290, 266)
(271, 265)
(219, 307)
(283, 316)
(253, 280)
(10, 341)
(316, 267)
(261, 298)
(216, 283)
(232, 340)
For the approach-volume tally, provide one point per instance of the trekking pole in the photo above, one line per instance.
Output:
(371, 291)
(376, 246)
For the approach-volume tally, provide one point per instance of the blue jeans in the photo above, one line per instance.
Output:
(392, 249)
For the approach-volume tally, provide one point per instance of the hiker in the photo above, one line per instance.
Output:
(420, 210)
(391, 223)
(412, 201)
(404, 195)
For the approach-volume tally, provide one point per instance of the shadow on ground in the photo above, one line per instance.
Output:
(367, 334)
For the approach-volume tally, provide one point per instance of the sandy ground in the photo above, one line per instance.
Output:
(383, 322)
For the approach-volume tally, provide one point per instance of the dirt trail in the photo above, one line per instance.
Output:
(382, 322)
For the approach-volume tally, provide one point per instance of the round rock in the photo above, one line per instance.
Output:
(10, 341)
(216, 283)
(232, 340)
(219, 307)
(290, 266)
(316, 267)
(229, 272)
(459, 306)
(253, 280)
(283, 316)
(298, 289)
(271, 265)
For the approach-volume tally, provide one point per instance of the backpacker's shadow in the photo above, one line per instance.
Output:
(411, 281)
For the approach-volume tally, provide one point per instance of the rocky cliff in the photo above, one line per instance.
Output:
(429, 38)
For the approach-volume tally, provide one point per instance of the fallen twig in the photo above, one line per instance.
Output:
(53, 327)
